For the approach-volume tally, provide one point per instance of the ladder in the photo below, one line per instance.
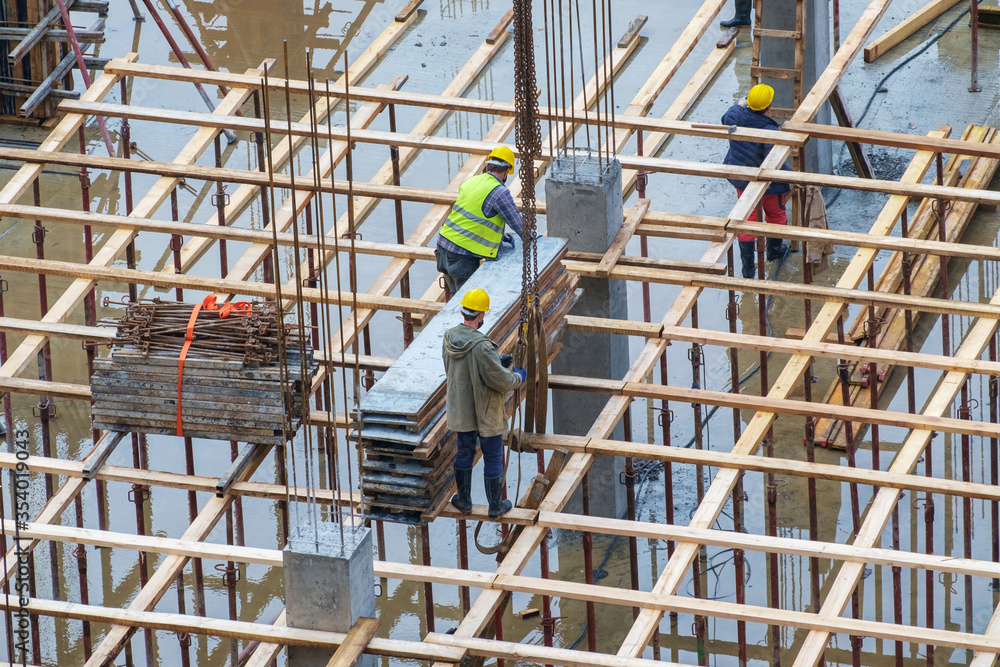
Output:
(793, 73)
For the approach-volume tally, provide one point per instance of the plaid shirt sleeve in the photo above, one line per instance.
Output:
(501, 202)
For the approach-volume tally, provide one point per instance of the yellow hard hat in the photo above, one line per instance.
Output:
(760, 97)
(503, 154)
(477, 300)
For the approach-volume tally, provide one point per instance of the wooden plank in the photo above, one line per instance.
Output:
(246, 194)
(179, 481)
(773, 405)
(117, 242)
(500, 27)
(146, 543)
(56, 329)
(429, 123)
(829, 349)
(634, 26)
(483, 610)
(177, 623)
(721, 488)
(356, 641)
(767, 544)
(237, 470)
(837, 473)
(166, 574)
(858, 155)
(280, 154)
(37, 33)
(622, 238)
(797, 290)
(628, 121)
(407, 11)
(101, 453)
(864, 240)
(96, 272)
(907, 27)
(914, 142)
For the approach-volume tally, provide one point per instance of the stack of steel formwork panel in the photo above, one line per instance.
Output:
(408, 448)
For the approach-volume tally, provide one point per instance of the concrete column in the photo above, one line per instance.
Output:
(329, 584)
(775, 52)
(585, 206)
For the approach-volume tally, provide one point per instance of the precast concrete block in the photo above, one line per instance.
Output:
(329, 584)
(583, 199)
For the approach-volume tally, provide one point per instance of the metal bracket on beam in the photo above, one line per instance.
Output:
(239, 465)
(104, 449)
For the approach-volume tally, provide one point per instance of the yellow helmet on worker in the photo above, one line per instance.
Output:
(476, 300)
(504, 155)
(760, 97)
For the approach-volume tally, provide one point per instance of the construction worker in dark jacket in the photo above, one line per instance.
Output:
(477, 379)
(753, 113)
(475, 228)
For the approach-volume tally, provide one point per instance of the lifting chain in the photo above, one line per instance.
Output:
(528, 138)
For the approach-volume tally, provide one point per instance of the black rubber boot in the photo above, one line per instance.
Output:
(494, 487)
(747, 261)
(742, 16)
(463, 499)
(776, 249)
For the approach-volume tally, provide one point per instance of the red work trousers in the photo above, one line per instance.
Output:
(774, 213)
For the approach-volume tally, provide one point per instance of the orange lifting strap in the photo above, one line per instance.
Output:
(224, 312)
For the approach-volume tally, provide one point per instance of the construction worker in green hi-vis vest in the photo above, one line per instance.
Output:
(475, 229)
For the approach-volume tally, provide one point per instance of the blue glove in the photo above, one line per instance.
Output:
(523, 373)
(509, 240)
(506, 360)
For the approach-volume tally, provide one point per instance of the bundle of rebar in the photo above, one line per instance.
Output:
(202, 370)
(247, 332)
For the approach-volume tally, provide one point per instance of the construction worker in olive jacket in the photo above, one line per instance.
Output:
(753, 113)
(477, 380)
(475, 228)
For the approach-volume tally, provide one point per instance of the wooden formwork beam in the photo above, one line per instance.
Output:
(746, 341)
(627, 121)
(721, 488)
(558, 494)
(428, 125)
(116, 244)
(379, 191)
(362, 65)
(95, 272)
(774, 406)
(772, 287)
(109, 473)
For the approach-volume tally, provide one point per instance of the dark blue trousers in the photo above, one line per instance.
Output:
(492, 452)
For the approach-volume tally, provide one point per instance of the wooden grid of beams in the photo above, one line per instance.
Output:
(693, 278)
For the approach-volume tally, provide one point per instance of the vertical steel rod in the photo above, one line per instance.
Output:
(739, 556)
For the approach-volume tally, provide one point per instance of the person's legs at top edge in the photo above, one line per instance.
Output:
(775, 214)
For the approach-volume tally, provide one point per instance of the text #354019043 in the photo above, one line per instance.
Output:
(21, 484)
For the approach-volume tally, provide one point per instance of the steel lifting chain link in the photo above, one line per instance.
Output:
(528, 138)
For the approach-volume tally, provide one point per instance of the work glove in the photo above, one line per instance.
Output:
(523, 373)
(506, 360)
(509, 239)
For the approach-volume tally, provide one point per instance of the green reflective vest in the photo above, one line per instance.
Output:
(467, 227)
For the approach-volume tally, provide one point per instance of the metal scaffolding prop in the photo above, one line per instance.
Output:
(304, 263)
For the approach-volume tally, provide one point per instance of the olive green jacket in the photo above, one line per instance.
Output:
(476, 382)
